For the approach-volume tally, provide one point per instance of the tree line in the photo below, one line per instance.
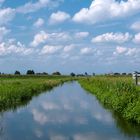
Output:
(32, 72)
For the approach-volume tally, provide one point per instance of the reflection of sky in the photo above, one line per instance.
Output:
(65, 113)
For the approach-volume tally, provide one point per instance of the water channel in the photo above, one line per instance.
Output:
(67, 112)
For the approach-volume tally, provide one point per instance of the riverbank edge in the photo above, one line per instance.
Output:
(124, 102)
(20, 97)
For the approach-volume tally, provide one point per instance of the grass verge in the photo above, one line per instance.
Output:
(116, 93)
(16, 91)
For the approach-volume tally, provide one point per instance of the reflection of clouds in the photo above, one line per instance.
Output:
(81, 120)
(85, 137)
(58, 117)
(103, 116)
(68, 107)
(84, 104)
(43, 117)
(64, 107)
(47, 105)
(50, 106)
(58, 137)
(38, 133)
(93, 136)
(39, 117)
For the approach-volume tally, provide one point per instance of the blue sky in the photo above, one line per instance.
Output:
(78, 36)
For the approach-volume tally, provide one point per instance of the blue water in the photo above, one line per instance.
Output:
(66, 113)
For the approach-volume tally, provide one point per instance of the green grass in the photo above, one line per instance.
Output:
(116, 93)
(19, 90)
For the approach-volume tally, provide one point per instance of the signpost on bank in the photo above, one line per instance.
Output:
(136, 76)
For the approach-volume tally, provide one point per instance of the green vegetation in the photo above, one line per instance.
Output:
(116, 93)
(19, 90)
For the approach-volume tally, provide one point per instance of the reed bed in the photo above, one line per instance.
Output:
(15, 91)
(117, 93)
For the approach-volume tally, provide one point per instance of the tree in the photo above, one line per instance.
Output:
(45, 73)
(29, 72)
(72, 74)
(129, 74)
(56, 73)
(116, 73)
(86, 74)
(17, 72)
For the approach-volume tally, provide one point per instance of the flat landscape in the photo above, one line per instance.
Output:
(107, 101)
(69, 69)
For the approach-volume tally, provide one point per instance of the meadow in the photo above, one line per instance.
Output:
(119, 94)
(19, 90)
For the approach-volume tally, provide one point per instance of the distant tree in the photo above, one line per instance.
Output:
(130, 74)
(80, 75)
(86, 74)
(45, 73)
(123, 73)
(17, 72)
(72, 74)
(56, 73)
(93, 74)
(29, 72)
(116, 73)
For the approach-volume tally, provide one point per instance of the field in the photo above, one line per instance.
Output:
(19, 90)
(117, 93)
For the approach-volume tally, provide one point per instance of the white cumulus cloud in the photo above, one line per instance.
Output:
(48, 49)
(39, 22)
(33, 7)
(43, 36)
(136, 26)
(39, 38)
(112, 37)
(58, 17)
(82, 34)
(13, 47)
(6, 15)
(121, 50)
(68, 48)
(136, 38)
(86, 51)
(102, 10)
(3, 31)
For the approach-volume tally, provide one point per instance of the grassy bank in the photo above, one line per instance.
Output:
(116, 93)
(19, 90)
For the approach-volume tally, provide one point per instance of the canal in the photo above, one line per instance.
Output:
(67, 112)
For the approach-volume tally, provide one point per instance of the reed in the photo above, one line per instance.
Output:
(15, 91)
(117, 93)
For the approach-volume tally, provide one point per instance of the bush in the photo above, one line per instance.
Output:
(29, 72)
(17, 73)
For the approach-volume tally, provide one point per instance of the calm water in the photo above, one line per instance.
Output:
(65, 113)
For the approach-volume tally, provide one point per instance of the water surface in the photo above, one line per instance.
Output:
(66, 113)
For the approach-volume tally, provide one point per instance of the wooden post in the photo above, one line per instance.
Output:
(136, 79)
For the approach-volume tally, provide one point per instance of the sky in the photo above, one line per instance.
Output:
(100, 36)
